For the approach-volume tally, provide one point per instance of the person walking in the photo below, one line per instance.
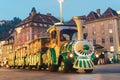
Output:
(101, 58)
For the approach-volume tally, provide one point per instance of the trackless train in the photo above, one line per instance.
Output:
(65, 51)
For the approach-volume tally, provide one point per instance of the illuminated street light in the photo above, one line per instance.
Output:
(60, 1)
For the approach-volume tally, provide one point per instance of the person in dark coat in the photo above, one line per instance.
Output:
(101, 58)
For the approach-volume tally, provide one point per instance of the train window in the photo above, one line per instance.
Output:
(53, 35)
(64, 37)
(74, 37)
(68, 33)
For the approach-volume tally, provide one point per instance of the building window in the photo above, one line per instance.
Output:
(103, 32)
(110, 22)
(35, 24)
(45, 25)
(27, 38)
(50, 25)
(93, 25)
(102, 24)
(94, 41)
(41, 31)
(43, 20)
(53, 21)
(94, 33)
(23, 26)
(111, 39)
(35, 30)
(35, 36)
(10, 47)
(11, 41)
(84, 26)
(44, 30)
(110, 30)
(27, 24)
(112, 48)
(41, 25)
(103, 40)
(85, 35)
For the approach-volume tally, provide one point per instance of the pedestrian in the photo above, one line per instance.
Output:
(101, 58)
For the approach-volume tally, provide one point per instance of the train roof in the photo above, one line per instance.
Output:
(60, 26)
(38, 39)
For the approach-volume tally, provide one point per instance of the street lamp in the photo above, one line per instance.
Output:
(60, 1)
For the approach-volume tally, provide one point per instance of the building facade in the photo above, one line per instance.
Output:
(103, 29)
(34, 26)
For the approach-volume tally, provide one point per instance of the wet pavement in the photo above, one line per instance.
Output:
(101, 72)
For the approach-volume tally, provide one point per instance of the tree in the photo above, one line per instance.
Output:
(8, 26)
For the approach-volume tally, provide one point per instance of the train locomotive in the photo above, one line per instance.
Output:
(64, 51)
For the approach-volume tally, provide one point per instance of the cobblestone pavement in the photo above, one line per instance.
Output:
(101, 72)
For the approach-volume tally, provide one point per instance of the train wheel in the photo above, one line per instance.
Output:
(13, 67)
(18, 67)
(53, 68)
(64, 67)
(88, 71)
(10, 67)
(30, 67)
(23, 67)
(38, 67)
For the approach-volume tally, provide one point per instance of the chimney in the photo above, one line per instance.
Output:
(49, 14)
(98, 12)
(33, 11)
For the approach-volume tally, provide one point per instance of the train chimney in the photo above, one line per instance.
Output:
(79, 26)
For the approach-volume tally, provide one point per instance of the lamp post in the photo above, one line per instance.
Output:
(60, 1)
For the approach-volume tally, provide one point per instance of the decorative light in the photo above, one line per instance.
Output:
(112, 48)
(97, 55)
(60, 1)
(18, 29)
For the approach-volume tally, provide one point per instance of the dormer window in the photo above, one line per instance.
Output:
(27, 24)
(44, 20)
(41, 25)
(45, 25)
(35, 24)
(23, 26)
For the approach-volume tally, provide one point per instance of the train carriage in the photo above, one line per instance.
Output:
(20, 57)
(37, 53)
(11, 59)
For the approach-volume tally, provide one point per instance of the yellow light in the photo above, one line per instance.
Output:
(97, 56)
(18, 29)
(71, 55)
(60, 1)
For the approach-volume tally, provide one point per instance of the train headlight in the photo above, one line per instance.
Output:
(70, 55)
